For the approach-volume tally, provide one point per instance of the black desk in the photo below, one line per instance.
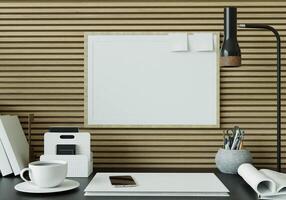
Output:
(239, 190)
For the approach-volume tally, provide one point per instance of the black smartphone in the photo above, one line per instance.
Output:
(122, 181)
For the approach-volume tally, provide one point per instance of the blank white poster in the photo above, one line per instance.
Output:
(137, 80)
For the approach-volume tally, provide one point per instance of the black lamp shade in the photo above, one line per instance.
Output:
(230, 55)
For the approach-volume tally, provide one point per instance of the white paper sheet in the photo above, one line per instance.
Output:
(202, 42)
(179, 41)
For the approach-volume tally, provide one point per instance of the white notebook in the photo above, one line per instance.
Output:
(5, 167)
(159, 184)
(14, 142)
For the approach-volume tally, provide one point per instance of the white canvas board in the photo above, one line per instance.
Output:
(159, 184)
(136, 79)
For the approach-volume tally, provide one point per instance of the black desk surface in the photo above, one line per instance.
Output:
(239, 190)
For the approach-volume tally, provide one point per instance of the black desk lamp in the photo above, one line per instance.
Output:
(228, 54)
(278, 92)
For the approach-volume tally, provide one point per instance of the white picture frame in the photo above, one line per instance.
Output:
(135, 80)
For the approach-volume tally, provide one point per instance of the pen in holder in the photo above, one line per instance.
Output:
(231, 156)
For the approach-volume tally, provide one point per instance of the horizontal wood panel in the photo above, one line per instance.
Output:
(41, 72)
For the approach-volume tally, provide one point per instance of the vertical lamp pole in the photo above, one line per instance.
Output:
(278, 92)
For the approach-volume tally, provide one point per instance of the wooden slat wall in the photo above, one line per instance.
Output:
(41, 72)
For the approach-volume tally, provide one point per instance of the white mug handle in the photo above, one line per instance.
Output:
(22, 174)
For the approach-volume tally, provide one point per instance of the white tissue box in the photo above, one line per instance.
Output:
(78, 165)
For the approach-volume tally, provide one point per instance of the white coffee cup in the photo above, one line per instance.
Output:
(46, 173)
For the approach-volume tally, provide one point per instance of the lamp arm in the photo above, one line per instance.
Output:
(278, 46)
(262, 26)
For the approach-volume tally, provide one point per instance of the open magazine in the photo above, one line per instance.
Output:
(267, 183)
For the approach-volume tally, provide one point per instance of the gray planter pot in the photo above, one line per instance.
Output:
(228, 161)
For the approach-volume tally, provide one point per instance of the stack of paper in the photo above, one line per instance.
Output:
(159, 184)
(14, 148)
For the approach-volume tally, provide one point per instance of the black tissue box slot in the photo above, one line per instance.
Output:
(67, 136)
(66, 149)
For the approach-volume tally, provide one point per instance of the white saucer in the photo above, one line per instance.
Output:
(29, 187)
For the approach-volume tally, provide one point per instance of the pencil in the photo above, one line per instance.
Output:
(240, 145)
